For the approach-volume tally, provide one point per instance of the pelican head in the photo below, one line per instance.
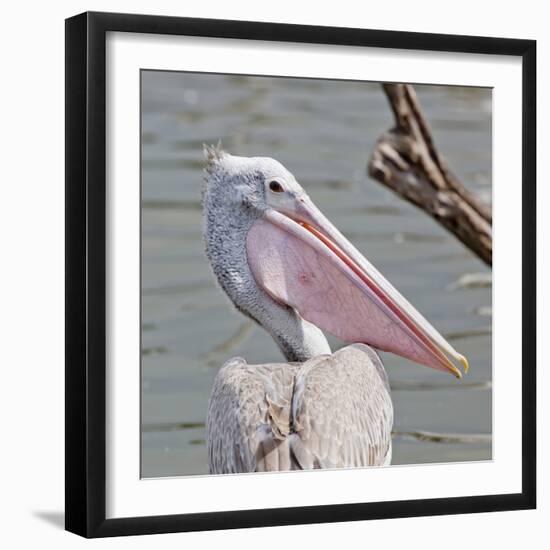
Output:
(250, 185)
(283, 263)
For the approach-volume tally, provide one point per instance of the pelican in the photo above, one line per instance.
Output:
(283, 264)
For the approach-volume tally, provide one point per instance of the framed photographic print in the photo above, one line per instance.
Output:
(233, 356)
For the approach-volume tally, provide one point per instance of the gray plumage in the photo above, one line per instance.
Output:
(317, 411)
(333, 411)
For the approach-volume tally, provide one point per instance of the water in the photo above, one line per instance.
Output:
(323, 132)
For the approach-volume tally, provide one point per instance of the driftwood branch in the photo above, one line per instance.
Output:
(406, 160)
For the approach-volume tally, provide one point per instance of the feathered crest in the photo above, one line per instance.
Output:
(213, 154)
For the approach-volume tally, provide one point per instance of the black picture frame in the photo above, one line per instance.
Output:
(86, 273)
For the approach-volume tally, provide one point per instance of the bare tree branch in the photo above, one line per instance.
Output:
(407, 161)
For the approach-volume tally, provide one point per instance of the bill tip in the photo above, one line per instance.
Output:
(464, 363)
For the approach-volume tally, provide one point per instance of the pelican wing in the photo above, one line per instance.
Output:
(329, 412)
(248, 417)
(342, 411)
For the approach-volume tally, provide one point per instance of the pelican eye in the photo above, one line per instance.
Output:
(275, 186)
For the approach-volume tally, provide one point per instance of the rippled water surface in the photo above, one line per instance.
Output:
(323, 132)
